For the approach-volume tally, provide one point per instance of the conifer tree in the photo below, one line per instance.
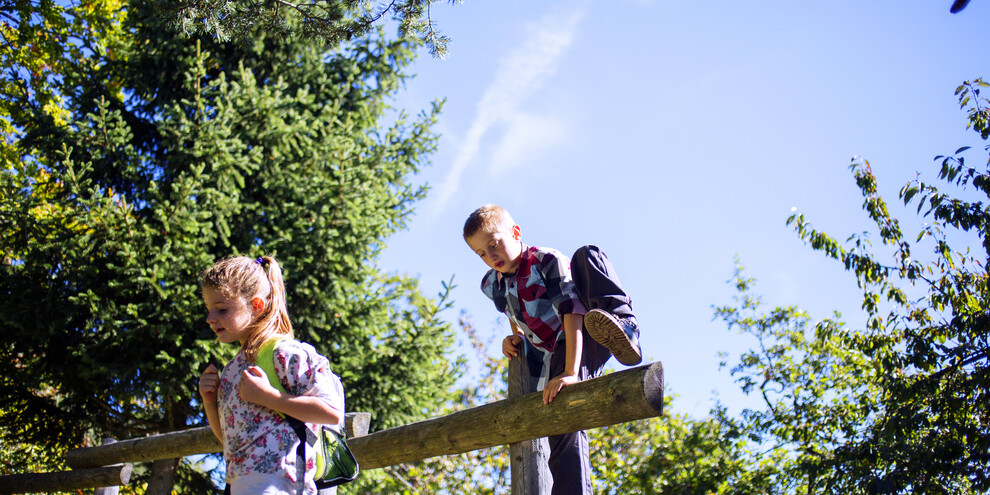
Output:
(176, 151)
(331, 21)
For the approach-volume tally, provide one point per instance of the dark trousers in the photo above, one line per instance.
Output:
(599, 288)
(597, 283)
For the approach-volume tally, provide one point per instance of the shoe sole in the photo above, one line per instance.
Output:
(605, 330)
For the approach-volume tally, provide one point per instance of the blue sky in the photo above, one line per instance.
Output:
(677, 136)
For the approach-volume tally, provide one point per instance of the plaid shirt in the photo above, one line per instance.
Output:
(538, 296)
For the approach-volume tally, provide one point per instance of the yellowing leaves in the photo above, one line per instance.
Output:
(45, 42)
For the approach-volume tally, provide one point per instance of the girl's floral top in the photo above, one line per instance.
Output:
(256, 439)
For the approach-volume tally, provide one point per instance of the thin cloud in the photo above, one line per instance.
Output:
(519, 75)
(524, 133)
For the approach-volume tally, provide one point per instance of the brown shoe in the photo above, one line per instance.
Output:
(619, 335)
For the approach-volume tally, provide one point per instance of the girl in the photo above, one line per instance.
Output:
(245, 299)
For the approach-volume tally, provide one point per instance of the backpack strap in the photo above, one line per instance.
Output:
(266, 361)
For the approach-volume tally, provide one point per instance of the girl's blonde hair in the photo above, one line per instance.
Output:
(248, 278)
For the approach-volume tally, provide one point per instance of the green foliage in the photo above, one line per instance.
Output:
(979, 115)
(672, 454)
(331, 22)
(486, 471)
(43, 44)
(26, 458)
(173, 152)
(816, 389)
(901, 405)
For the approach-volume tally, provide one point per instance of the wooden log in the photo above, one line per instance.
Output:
(357, 424)
(77, 479)
(619, 397)
(528, 466)
(163, 446)
(176, 444)
(629, 395)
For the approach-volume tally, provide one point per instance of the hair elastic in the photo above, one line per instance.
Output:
(260, 261)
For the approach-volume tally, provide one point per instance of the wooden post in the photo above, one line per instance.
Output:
(77, 479)
(528, 458)
(175, 444)
(107, 490)
(629, 395)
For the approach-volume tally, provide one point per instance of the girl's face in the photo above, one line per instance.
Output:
(229, 318)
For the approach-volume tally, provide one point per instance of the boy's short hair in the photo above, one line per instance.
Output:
(488, 218)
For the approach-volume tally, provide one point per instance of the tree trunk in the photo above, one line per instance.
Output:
(162, 476)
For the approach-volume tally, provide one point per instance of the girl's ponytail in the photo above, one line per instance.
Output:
(279, 310)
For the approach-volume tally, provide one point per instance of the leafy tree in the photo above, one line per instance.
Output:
(169, 152)
(900, 405)
(672, 454)
(816, 391)
(41, 43)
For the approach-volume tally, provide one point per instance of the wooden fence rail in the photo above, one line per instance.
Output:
(628, 395)
(76, 479)
(614, 398)
(95, 467)
(176, 444)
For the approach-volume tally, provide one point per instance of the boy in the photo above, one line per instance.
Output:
(574, 311)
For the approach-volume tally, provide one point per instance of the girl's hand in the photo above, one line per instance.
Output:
(255, 388)
(208, 383)
(510, 345)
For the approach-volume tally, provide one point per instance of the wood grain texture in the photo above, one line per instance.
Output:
(530, 473)
(628, 395)
(175, 444)
(76, 479)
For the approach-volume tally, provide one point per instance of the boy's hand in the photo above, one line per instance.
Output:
(555, 385)
(255, 388)
(510, 345)
(208, 383)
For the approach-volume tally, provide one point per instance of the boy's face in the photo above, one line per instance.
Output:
(500, 250)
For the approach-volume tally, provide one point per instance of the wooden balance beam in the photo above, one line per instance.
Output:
(629, 395)
(610, 399)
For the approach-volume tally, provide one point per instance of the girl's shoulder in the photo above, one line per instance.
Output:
(293, 346)
(306, 370)
(292, 350)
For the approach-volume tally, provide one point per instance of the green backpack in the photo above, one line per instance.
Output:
(335, 464)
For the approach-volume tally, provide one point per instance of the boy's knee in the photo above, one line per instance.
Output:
(589, 251)
(586, 257)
